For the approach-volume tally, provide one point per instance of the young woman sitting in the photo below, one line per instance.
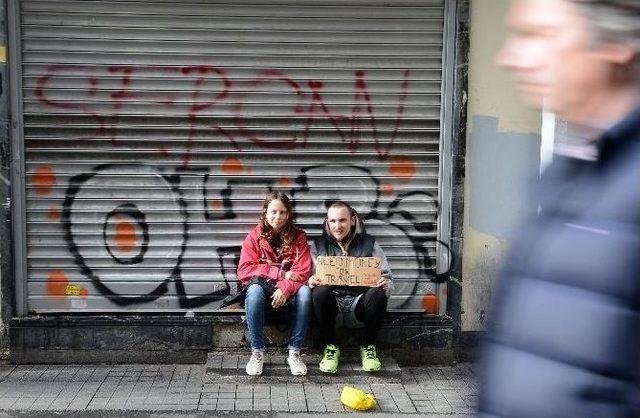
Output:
(275, 264)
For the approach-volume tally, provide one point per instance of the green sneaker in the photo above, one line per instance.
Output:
(370, 361)
(330, 359)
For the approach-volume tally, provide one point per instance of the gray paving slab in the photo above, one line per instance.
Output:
(181, 388)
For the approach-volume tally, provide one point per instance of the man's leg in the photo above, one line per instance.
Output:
(325, 307)
(370, 309)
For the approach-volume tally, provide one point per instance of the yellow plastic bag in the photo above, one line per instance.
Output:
(357, 399)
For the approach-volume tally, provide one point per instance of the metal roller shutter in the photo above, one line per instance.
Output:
(153, 129)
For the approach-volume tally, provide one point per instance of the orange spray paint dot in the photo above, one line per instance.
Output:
(43, 179)
(402, 168)
(57, 283)
(231, 165)
(284, 181)
(84, 292)
(387, 189)
(215, 204)
(125, 235)
(430, 303)
(54, 214)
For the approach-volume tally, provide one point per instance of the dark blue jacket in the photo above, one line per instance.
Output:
(564, 334)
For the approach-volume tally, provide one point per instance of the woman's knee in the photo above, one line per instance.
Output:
(303, 295)
(255, 292)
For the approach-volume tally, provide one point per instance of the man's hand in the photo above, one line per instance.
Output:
(383, 283)
(314, 281)
(292, 276)
(278, 299)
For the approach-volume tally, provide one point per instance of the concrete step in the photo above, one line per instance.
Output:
(223, 367)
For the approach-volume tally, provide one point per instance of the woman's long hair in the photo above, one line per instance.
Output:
(287, 233)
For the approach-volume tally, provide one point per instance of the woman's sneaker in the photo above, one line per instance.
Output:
(330, 359)
(254, 366)
(370, 361)
(296, 365)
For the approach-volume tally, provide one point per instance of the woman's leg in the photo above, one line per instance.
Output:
(255, 306)
(301, 316)
(325, 308)
(370, 309)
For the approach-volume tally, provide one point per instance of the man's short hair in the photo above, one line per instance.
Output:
(341, 204)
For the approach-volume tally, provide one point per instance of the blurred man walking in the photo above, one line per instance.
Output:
(564, 334)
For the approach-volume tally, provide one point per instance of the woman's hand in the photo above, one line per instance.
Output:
(292, 276)
(278, 299)
(313, 282)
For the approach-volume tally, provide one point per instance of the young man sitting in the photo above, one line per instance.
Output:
(353, 307)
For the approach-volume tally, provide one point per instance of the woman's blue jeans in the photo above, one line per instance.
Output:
(256, 304)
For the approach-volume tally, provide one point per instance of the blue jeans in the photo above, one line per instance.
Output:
(255, 305)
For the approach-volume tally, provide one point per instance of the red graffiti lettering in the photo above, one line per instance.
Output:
(318, 107)
(350, 128)
(265, 77)
(42, 94)
(197, 107)
(363, 98)
(118, 97)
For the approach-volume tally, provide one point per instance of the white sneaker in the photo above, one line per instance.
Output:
(296, 365)
(254, 366)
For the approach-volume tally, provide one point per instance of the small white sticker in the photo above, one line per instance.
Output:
(78, 303)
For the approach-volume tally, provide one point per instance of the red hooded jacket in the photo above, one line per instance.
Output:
(257, 258)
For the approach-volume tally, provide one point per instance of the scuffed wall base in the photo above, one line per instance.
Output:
(109, 339)
(4, 334)
(411, 339)
(467, 345)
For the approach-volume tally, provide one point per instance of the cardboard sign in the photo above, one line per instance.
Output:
(348, 271)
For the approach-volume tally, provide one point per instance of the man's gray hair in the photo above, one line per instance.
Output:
(614, 20)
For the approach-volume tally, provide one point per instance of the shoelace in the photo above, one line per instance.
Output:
(330, 354)
(370, 353)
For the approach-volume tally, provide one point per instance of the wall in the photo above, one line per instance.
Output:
(5, 225)
(502, 161)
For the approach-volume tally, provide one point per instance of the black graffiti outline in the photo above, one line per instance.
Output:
(184, 300)
(303, 186)
(425, 228)
(227, 192)
(421, 253)
(131, 210)
(75, 184)
(233, 250)
(300, 185)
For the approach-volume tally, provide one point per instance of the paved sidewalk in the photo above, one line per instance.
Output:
(221, 385)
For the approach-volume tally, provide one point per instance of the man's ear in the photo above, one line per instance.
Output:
(353, 220)
(617, 53)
